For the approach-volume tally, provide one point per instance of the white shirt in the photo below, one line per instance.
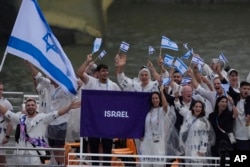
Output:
(3, 124)
(134, 85)
(240, 130)
(95, 84)
(36, 127)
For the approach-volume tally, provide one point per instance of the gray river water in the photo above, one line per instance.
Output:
(208, 29)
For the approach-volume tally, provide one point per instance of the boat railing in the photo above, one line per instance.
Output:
(13, 157)
(17, 99)
(83, 159)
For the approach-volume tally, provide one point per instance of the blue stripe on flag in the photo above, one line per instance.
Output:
(41, 58)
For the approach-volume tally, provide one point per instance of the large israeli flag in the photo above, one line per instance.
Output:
(168, 44)
(33, 40)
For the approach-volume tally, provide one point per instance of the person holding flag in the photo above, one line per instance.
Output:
(142, 83)
(58, 98)
(102, 82)
(33, 40)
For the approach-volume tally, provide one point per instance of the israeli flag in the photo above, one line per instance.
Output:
(32, 39)
(180, 65)
(168, 44)
(185, 45)
(188, 54)
(124, 46)
(151, 50)
(185, 80)
(197, 60)
(166, 81)
(102, 54)
(223, 58)
(168, 60)
(97, 45)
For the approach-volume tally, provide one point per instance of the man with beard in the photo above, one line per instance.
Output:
(242, 121)
(32, 129)
(208, 94)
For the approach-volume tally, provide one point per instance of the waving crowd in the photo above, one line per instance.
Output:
(202, 117)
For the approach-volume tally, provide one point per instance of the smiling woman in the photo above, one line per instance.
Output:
(194, 133)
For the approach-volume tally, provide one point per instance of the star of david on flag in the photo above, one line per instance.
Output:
(32, 39)
(124, 46)
(168, 44)
(168, 60)
(180, 65)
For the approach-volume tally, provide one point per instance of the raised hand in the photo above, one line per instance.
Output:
(120, 59)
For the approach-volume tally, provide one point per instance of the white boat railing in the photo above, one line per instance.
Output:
(12, 155)
(17, 99)
(118, 160)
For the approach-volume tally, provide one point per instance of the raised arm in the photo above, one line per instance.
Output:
(154, 73)
(194, 82)
(73, 105)
(163, 98)
(81, 71)
(120, 62)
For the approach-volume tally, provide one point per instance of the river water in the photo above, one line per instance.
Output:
(208, 29)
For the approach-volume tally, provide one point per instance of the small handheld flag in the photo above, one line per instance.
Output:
(102, 54)
(180, 65)
(187, 54)
(223, 58)
(185, 45)
(197, 60)
(168, 60)
(124, 46)
(168, 44)
(151, 50)
(97, 45)
(166, 81)
(185, 80)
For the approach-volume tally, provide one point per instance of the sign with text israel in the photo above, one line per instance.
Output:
(114, 114)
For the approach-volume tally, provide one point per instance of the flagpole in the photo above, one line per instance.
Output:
(3, 60)
(190, 61)
(160, 52)
(95, 59)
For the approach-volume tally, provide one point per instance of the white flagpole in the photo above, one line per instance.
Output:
(81, 148)
(3, 60)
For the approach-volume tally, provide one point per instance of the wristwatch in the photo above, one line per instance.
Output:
(7, 136)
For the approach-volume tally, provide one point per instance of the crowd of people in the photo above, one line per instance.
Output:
(205, 116)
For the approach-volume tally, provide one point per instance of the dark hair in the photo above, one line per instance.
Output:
(30, 99)
(216, 107)
(100, 66)
(159, 95)
(244, 83)
(203, 113)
